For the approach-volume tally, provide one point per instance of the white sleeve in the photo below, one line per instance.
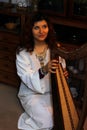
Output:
(28, 76)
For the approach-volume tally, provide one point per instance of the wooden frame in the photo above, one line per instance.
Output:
(71, 12)
(55, 13)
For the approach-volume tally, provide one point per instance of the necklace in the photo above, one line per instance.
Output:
(41, 56)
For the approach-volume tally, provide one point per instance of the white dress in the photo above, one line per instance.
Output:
(34, 93)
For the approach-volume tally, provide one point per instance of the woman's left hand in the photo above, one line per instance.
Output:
(66, 74)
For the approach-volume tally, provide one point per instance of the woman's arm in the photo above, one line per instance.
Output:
(27, 75)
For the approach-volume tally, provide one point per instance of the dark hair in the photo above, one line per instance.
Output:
(28, 42)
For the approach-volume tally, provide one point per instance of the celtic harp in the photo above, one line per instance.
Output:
(65, 113)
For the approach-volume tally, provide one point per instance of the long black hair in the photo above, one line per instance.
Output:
(28, 42)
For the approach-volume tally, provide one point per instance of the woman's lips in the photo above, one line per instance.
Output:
(41, 36)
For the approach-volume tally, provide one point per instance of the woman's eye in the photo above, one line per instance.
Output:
(36, 27)
(45, 26)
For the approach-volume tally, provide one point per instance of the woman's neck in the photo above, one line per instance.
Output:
(39, 43)
(40, 47)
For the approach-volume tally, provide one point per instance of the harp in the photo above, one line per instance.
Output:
(65, 114)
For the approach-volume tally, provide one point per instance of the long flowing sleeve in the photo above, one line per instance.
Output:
(28, 72)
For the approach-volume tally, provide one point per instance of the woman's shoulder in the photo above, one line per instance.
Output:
(23, 52)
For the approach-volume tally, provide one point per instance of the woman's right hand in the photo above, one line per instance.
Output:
(51, 66)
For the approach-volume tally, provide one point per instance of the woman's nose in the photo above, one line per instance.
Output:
(40, 30)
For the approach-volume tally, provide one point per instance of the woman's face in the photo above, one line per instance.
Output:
(40, 30)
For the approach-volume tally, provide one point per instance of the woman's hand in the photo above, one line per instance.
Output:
(51, 66)
(66, 74)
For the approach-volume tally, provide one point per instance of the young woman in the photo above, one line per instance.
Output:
(34, 67)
